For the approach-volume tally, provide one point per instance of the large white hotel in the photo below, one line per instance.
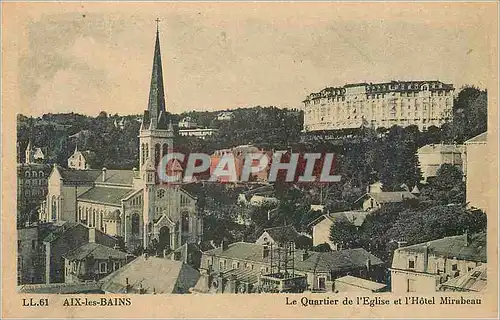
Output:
(402, 103)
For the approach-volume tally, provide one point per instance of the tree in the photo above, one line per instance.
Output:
(345, 234)
(447, 187)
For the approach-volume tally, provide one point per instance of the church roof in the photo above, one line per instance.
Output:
(117, 177)
(106, 195)
(98, 251)
(71, 175)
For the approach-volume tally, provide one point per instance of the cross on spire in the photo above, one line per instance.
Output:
(157, 24)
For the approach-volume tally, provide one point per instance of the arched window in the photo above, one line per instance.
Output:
(157, 154)
(164, 149)
(101, 225)
(185, 222)
(80, 214)
(147, 151)
(54, 208)
(34, 174)
(143, 154)
(93, 218)
(135, 224)
(27, 174)
(87, 210)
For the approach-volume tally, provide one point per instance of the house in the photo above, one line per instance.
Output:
(473, 281)
(80, 160)
(424, 267)
(33, 154)
(259, 201)
(278, 236)
(151, 275)
(477, 172)
(225, 116)
(67, 237)
(432, 156)
(321, 226)
(375, 200)
(319, 268)
(120, 124)
(92, 261)
(358, 285)
(187, 123)
(200, 133)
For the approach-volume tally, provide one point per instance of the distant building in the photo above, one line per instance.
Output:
(79, 160)
(321, 226)
(375, 200)
(32, 188)
(187, 123)
(33, 154)
(250, 261)
(225, 116)
(432, 156)
(424, 267)
(151, 275)
(92, 261)
(402, 103)
(278, 236)
(349, 284)
(120, 124)
(201, 133)
(62, 240)
(476, 175)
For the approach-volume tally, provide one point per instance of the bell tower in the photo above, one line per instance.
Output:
(156, 133)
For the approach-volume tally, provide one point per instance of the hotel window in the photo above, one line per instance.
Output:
(410, 285)
(411, 264)
(103, 267)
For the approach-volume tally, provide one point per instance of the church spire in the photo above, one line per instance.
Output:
(156, 91)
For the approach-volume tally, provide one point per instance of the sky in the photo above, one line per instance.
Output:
(89, 58)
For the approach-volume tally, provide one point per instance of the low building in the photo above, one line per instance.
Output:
(80, 160)
(355, 284)
(476, 176)
(473, 281)
(187, 123)
(424, 267)
(321, 226)
(201, 133)
(152, 275)
(432, 156)
(278, 236)
(92, 261)
(319, 268)
(375, 200)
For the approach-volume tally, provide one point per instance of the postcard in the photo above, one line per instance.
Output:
(250, 160)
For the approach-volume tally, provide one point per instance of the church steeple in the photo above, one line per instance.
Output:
(156, 102)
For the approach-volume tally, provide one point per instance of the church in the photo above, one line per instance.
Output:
(131, 204)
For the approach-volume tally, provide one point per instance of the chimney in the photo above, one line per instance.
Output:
(127, 286)
(368, 265)
(265, 252)
(104, 174)
(91, 235)
(466, 238)
(224, 244)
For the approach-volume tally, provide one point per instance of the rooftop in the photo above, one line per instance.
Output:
(361, 283)
(441, 148)
(72, 175)
(98, 251)
(356, 217)
(283, 234)
(152, 274)
(462, 247)
(388, 197)
(125, 177)
(475, 280)
(107, 195)
(482, 138)
(314, 261)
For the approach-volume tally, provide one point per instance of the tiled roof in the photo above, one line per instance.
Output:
(107, 195)
(482, 138)
(472, 249)
(60, 230)
(243, 275)
(98, 251)
(283, 234)
(389, 197)
(72, 175)
(152, 274)
(441, 148)
(62, 288)
(475, 280)
(125, 177)
(361, 283)
(315, 261)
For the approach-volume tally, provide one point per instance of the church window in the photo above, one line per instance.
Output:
(101, 225)
(87, 216)
(161, 193)
(34, 174)
(147, 151)
(143, 153)
(165, 149)
(135, 224)
(27, 174)
(157, 154)
(185, 222)
(54, 208)
(93, 218)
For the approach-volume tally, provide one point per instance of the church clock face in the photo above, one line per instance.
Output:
(160, 193)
